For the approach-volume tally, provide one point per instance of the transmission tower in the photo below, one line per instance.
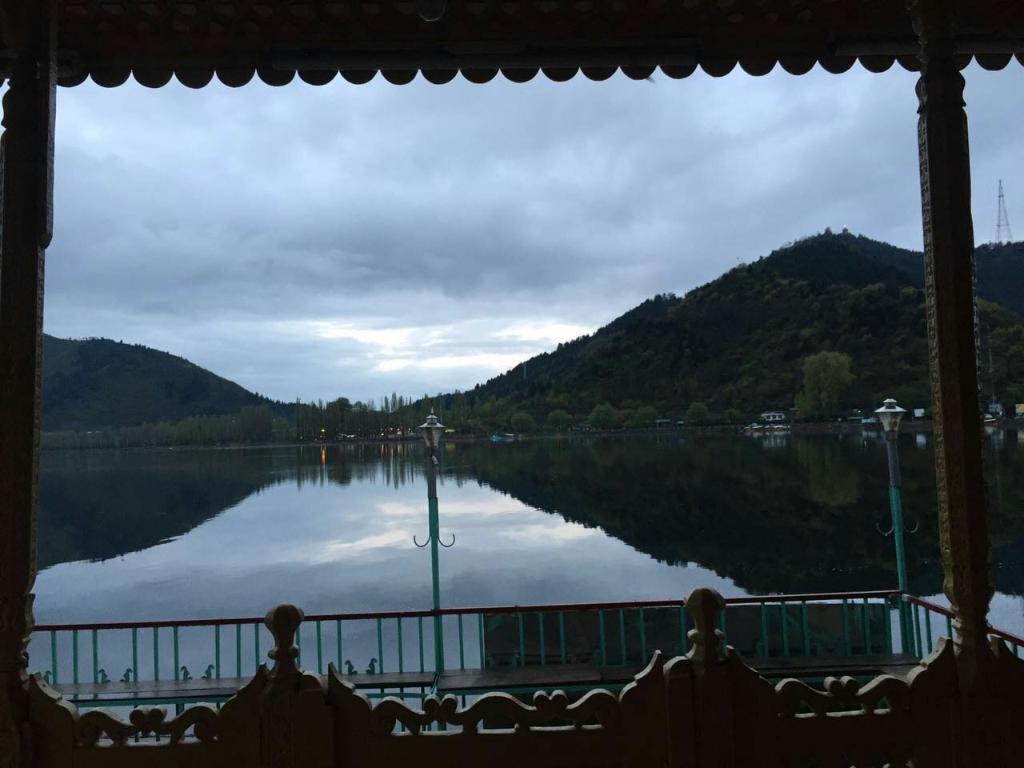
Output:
(1003, 232)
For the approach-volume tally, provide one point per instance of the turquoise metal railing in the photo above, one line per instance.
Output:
(398, 649)
(928, 621)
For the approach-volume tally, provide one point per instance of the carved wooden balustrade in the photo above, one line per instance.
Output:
(579, 645)
(706, 708)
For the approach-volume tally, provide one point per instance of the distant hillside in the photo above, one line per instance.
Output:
(860, 261)
(844, 259)
(737, 343)
(96, 383)
(1001, 275)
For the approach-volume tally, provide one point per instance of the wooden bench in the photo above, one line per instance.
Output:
(553, 675)
(536, 677)
(193, 690)
(869, 665)
(531, 677)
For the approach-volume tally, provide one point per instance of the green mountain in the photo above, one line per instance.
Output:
(98, 383)
(737, 344)
(859, 261)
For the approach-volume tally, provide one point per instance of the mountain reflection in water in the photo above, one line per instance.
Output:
(783, 514)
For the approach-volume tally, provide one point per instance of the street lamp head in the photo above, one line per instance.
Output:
(890, 414)
(432, 430)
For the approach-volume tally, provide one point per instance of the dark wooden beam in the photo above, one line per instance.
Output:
(952, 330)
(26, 153)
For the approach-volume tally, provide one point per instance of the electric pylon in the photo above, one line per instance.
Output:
(1003, 232)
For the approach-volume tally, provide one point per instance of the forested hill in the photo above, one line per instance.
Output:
(738, 343)
(859, 261)
(94, 383)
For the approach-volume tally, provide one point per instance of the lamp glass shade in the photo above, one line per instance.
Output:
(432, 430)
(890, 415)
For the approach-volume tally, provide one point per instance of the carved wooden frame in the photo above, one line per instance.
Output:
(717, 709)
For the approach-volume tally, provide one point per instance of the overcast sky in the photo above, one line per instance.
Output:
(357, 240)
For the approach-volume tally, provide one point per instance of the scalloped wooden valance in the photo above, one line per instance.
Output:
(235, 41)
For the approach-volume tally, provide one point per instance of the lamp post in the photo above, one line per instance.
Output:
(890, 415)
(432, 430)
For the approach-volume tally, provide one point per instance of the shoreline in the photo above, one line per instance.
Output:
(801, 428)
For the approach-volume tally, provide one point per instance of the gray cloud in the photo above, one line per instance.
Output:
(322, 241)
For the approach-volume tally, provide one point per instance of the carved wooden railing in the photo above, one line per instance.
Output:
(706, 708)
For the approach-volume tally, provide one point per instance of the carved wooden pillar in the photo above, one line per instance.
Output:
(296, 724)
(27, 204)
(952, 330)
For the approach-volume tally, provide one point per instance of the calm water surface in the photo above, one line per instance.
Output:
(203, 533)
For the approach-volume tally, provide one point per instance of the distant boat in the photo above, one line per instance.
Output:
(759, 429)
(506, 437)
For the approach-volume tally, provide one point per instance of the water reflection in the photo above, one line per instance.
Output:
(100, 504)
(784, 513)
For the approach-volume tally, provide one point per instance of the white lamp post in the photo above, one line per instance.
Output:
(432, 430)
(890, 415)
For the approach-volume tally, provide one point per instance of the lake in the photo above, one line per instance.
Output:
(175, 534)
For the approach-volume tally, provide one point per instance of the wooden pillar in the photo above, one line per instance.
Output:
(952, 330)
(26, 153)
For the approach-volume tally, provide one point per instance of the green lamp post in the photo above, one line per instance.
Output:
(432, 430)
(890, 415)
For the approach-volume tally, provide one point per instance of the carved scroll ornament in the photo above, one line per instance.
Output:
(58, 718)
(596, 709)
(146, 721)
(882, 695)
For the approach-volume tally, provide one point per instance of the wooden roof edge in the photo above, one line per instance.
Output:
(518, 61)
(677, 59)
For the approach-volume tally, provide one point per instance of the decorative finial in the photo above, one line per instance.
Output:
(283, 621)
(705, 605)
(430, 10)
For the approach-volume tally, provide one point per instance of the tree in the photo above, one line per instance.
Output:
(559, 420)
(603, 417)
(698, 414)
(646, 416)
(826, 378)
(522, 422)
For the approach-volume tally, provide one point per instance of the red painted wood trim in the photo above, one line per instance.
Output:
(929, 605)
